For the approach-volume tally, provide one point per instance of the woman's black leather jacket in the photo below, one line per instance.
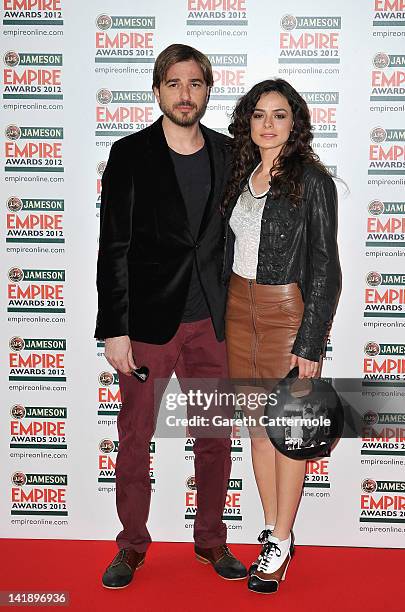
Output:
(298, 244)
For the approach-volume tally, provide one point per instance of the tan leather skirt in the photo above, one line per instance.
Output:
(261, 324)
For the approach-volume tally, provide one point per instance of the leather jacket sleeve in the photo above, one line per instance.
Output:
(115, 238)
(323, 284)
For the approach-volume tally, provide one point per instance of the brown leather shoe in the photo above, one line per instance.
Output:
(223, 561)
(120, 572)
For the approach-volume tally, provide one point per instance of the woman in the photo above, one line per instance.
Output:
(281, 259)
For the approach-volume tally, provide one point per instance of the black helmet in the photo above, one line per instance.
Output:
(304, 426)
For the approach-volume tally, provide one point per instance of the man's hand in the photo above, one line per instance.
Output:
(118, 352)
(307, 368)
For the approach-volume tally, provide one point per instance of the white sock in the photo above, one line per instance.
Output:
(284, 545)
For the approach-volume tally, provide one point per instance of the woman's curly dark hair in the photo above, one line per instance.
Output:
(287, 169)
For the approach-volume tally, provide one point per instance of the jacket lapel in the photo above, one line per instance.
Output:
(217, 164)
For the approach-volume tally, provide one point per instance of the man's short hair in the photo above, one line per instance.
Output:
(180, 53)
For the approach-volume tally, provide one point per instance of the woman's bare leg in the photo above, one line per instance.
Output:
(290, 475)
(264, 467)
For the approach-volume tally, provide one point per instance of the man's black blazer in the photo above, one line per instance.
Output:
(146, 249)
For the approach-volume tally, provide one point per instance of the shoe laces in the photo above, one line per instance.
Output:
(226, 551)
(264, 536)
(121, 556)
(270, 549)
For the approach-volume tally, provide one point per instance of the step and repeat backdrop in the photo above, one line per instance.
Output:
(76, 76)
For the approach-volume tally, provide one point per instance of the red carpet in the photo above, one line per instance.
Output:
(318, 579)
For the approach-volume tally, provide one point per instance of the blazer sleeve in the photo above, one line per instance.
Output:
(324, 282)
(117, 195)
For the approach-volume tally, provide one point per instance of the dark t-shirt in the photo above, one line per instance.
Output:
(194, 177)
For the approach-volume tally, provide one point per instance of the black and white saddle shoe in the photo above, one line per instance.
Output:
(273, 565)
(263, 538)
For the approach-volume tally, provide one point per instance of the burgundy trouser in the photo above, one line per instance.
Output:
(194, 352)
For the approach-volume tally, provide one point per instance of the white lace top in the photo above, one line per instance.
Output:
(246, 222)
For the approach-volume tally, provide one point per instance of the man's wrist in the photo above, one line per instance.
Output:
(116, 337)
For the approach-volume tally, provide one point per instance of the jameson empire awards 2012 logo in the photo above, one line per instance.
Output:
(119, 113)
(384, 363)
(35, 290)
(33, 149)
(38, 427)
(35, 221)
(39, 494)
(383, 433)
(309, 39)
(32, 12)
(125, 39)
(384, 295)
(109, 395)
(229, 13)
(386, 224)
(230, 75)
(382, 501)
(388, 78)
(33, 76)
(323, 108)
(233, 506)
(384, 156)
(388, 13)
(40, 359)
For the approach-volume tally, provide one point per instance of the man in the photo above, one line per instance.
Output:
(161, 300)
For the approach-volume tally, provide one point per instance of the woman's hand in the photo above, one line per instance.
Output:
(307, 368)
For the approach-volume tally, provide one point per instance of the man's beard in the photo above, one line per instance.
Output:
(184, 120)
